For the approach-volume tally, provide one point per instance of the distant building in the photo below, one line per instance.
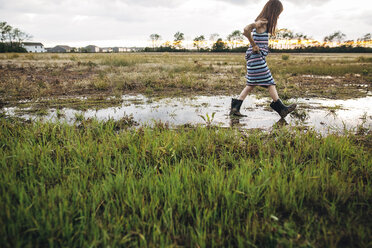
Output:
(118, 49)
(34, 47)
(134, 49)
(60, 49)
(106, 50)
(92, 49)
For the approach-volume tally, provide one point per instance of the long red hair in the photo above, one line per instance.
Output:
(271, 13)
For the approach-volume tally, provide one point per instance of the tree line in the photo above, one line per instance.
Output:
(235, 42)
(11, 38)
(199, 42)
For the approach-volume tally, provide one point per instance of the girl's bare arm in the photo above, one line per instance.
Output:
(248, 32)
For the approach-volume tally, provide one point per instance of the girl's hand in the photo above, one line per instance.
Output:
(255, 49)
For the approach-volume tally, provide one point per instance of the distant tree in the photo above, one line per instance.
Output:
(336, 36)
(178, 38)
(16, 35)
(235, 38)
(20, 36)
(154, 39)
(301, 36)
(220, 46)
(199, 42)
(167, 44)
(5, 31)
(12, 38)
(214, 37)
(2, 31)
(366, 37)
(9, 32)
(283, 34)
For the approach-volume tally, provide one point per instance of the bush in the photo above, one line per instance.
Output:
(14, 47)
(364, 59)
(220, 46)
(285, 57)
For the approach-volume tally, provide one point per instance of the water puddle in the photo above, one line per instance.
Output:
(323, 115)
(318, 76)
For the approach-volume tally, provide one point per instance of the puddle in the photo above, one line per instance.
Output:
(322, 114)
(318, 76)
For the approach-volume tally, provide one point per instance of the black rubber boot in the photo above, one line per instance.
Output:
(235, 107)
(282, 110)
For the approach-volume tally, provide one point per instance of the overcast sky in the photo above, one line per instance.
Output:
(130, 22)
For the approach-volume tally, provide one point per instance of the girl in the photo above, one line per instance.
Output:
(258, 73)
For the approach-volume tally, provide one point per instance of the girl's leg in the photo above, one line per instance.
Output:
(273, 93)
(248, 89)
(237, 103)
(277, 104)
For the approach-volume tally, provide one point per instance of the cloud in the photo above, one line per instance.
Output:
(306, 2)
(155, 3)
(366, 18)
(67, 21)
(262, 2)
(77, 10)
(238, 2)
(40, 5)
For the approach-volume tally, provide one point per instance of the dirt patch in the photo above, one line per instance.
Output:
(53, 76)
(345, 87)
(31, 83)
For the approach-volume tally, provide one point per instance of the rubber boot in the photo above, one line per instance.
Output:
(282, 110)
(235, 107)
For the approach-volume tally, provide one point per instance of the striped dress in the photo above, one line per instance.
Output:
(258, 73)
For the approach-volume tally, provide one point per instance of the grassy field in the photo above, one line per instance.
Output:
(35, 76)
(110, 184)
(105, 184)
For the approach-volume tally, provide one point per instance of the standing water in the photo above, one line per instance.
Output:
(322, 114)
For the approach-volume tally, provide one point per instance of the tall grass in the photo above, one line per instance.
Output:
(103, 184)
(118, 60)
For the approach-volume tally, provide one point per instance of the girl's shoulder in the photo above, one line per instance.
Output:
(261, 25)
(261, 22)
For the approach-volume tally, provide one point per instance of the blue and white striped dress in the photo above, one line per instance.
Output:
(258, 73)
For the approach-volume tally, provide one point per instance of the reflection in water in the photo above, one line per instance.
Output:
(235, 122)
(281, 122)
(321, 114)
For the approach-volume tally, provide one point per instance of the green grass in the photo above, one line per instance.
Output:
(120, 60)
(364, 59)
(102, 184)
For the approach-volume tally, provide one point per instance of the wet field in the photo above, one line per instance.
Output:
(136, 150)
(332, 90)
(323, 115)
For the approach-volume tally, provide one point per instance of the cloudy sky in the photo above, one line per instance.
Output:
(130, 22)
